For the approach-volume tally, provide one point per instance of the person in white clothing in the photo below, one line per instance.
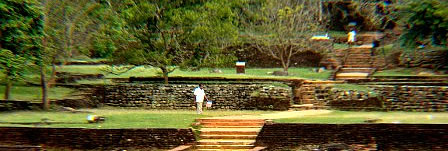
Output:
(200, 96)
(351, 36)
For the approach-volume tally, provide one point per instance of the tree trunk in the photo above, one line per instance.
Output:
(285, 69)
(8, 85)
(43, 83)
(165, 77)
(165, 74)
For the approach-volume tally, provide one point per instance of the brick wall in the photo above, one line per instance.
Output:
(180, 96)
(386, 136)
(80, 138)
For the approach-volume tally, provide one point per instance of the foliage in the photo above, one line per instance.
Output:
(70, 26)
(369, 15)
(283, 31)
(33, 93)
(140, 71)
(173, 34)
(426, 21)
(20, 38)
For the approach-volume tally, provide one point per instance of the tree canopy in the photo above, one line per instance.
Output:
(167, 34)
(21, 30)
(285, 28)
(426, 22)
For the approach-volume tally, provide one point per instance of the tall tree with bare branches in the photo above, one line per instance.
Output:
(285, 28)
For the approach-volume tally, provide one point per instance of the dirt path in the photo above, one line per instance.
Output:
(277, 115)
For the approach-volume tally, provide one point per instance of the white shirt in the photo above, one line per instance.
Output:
(351, 36)
(200, 94)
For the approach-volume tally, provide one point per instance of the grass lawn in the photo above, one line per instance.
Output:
(397, 72)
(140, 118)
(118, 118)
(349, 117)
(305, 73)
(31, 93)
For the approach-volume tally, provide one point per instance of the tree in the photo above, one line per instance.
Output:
(283, 31)
(68, 26)
(20, 38)
(168, 34)
(426, 21)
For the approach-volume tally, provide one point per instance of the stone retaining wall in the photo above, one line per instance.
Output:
(386, 98)
(385, 136)
(96, 139)
(180, 96)
(12, 105)
(434, 59)
(414, 98)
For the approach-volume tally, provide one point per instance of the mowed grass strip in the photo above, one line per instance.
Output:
(34, 93)
(116, 118)
(303, 73)
(398, 72)
(352, 117)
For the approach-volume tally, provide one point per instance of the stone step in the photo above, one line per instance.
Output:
(317, 107)
(301, 107)
(222, 149)
(229, 132)
(181, 148)
(353, 74)
(240, 126)
(307, 101)
(351, 77)
(211, 124)
(359, 55)
(230, 129)
(232, 147)
(356, 66)
(227, 136)
(363, 52)
(357, 60)
(320, 82)
(226, 142)
(229, 120)
(346, 70)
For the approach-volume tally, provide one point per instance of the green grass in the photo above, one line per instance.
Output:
(351, 117)
(140, 118)
(95, 82)
(305, 73)
(33, 93)
(397, 72)
(119, 118)
(82, 69)
(337, 46)
(334, 33)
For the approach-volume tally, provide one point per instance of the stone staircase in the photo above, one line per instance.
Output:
(357, 64)
(228, 134)
(305, 95)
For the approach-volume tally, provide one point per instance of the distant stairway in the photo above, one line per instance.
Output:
(228, 134)
(357, 64)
